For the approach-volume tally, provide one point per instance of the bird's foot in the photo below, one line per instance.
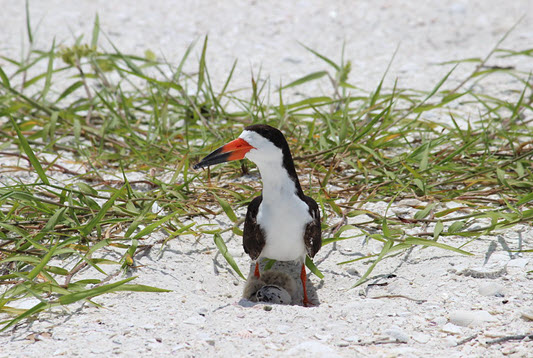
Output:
(307, 303)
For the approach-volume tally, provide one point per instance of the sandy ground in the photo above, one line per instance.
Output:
(426, 303)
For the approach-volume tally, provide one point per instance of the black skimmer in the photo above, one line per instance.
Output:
(282, 223)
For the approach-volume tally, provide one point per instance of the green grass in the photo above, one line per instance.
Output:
(112, 114)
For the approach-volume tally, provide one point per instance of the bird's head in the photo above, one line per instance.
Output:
(260, 143)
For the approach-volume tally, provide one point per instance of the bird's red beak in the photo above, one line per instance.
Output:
(234, 150)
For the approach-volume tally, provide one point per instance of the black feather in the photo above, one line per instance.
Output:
(253, 238)
(313, 230)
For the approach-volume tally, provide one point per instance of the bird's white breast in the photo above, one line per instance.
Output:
(283, 222)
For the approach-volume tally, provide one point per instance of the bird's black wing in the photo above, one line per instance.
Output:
(313, 231)
(253, 238)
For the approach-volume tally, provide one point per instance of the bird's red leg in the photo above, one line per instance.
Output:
(303, 277)
(256, 272)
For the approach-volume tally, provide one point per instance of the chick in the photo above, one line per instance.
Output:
(273, 294)
(253, 284)
(272, 287)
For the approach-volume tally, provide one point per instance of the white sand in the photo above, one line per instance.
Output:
(435, 299)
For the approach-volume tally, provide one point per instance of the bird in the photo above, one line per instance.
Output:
(282, 223)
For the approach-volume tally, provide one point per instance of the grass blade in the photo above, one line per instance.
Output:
(385, 250)
(308, 78)
(28, 23)
(139, 288)
(49, 72)
(96, 32)
(411, 240)
(100, 290)
(5, 79)
(86, 230)
(323, 58)
(150, 228)
(29, 152)
(227, 208)
(38, 268)
(224, 251)
(201, 68)
(311, 266)
(35, 309)
(439, 227)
